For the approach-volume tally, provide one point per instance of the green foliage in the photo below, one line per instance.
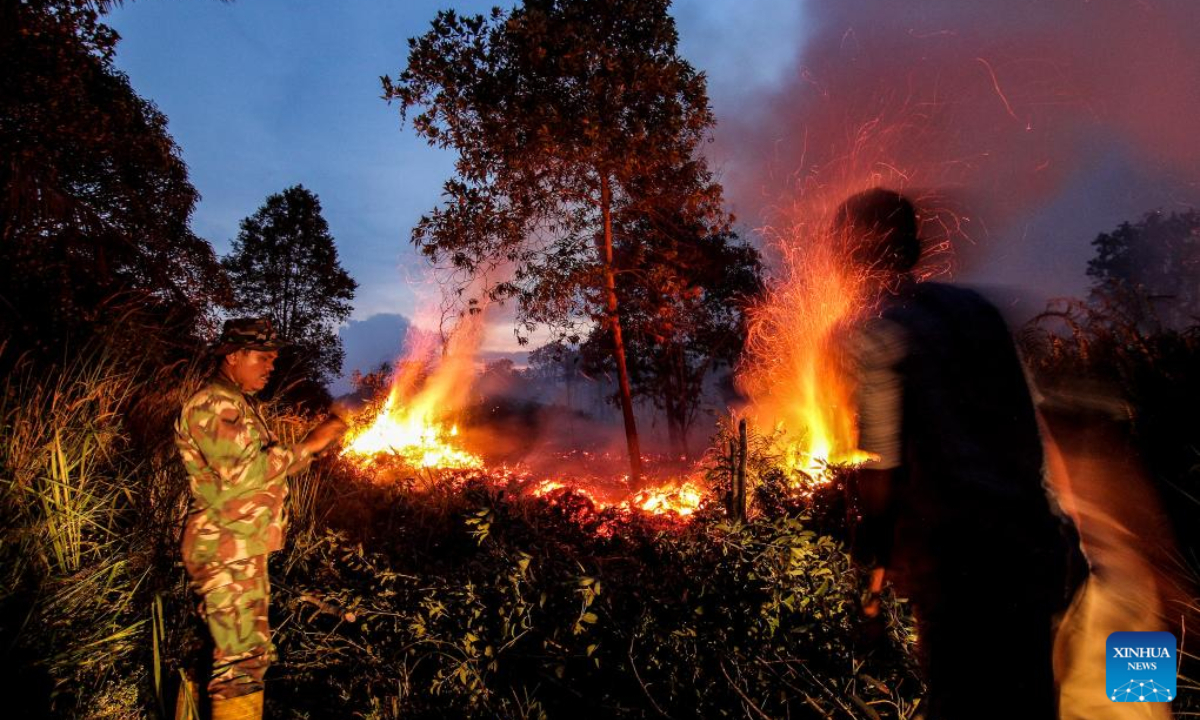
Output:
(95, 615)
(85, 515)
(391, 601)
(284, 265)
(95, 201)
(476, 603)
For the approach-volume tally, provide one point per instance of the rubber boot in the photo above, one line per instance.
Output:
(242, 707)
(187, 701)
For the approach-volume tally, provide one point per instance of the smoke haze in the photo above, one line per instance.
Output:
(1031, 126)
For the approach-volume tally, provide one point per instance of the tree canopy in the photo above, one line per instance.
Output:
(284, 265)
(95, 201)
(564, 113)
(1150, 269)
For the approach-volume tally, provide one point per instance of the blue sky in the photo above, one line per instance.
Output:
(264, 94)
(1051, 121)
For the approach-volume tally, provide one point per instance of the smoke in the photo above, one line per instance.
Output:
(1030, 125)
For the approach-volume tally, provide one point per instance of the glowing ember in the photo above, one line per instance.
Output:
(683, 499)
(546, 487)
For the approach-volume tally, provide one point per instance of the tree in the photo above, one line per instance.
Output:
(1131, 352)
(95, 201)
(561, 112)
(284, 265)
(684, 321)
(1150, 270)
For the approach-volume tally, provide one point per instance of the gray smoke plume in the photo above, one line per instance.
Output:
(1036, 124)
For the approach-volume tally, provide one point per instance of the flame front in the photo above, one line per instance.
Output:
(797, 371)
(414, 438)
(416, 426)
(681, 499)
(413, 424)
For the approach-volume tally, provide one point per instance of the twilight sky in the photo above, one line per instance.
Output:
(1040, 122)
(264, 94)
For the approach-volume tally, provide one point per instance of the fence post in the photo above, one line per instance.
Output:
(740, 492)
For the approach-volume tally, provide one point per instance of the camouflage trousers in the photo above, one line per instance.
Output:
(234, 598)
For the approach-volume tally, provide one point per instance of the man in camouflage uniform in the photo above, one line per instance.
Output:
(238, 473)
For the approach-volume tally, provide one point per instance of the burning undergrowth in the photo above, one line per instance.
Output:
(488, 593)
(414, 437)
(586, 479)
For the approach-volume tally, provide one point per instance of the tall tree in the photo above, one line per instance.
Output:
(284, 264)
(1150, 270)
(557, 110)
(685, 318)
(95, 201)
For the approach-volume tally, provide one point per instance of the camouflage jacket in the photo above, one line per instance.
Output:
(238, 476)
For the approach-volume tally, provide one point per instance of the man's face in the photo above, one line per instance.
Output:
(250, 369)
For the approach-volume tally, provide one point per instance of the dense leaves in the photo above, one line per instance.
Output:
(284, 265)
(95, 201)
(471, 602)
(423, 596)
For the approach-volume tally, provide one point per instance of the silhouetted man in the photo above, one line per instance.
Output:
(954, 507)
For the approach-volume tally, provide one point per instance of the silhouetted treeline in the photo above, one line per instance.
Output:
(1132, 349)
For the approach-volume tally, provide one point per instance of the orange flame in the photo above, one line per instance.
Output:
(797, 371)
(680, 499)
(413, 424)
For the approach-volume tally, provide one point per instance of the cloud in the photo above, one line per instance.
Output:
(368, 343)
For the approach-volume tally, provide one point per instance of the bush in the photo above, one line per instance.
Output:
(475, 602)
(459, 597)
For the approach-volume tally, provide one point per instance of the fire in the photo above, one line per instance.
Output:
(413, 424)
(797, 374)
(413, 437)
(416, 427)
(681, 499)
(798, 366)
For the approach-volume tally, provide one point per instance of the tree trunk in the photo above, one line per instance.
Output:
(610, 296)
(672, 406)
(676, 402)
(674, 440)
(684, 403)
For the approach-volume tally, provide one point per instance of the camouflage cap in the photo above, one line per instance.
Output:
(247, 334)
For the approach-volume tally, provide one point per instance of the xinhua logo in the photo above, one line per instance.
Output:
(1141, 667)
